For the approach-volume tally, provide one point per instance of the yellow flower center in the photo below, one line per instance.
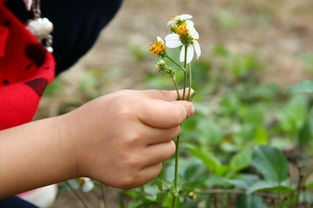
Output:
(157, 48)
(182, 29)
(81, 181)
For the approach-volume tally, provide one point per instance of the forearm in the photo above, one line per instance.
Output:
(34, 155)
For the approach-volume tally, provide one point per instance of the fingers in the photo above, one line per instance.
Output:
(168, 95)
(164, 114)
(149, 173)
(156, 136)
(158, 153)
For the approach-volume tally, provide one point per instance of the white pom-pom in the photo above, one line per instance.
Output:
(41, 27)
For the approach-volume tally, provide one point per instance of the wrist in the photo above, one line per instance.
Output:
(66, 144)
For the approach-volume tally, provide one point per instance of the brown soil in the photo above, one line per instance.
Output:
(279, 31)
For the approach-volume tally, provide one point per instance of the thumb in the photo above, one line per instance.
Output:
(168, 95)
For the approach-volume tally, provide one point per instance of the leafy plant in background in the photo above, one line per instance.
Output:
(232, 148)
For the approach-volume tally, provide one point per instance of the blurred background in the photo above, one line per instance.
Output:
(253, 51)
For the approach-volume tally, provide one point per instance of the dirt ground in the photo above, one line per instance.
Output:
(279, 31)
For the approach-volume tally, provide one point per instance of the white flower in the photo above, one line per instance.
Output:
(173, 41)
(87, 184)
(183, 35)
(182, 17)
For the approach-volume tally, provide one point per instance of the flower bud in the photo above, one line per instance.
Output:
(161, 66)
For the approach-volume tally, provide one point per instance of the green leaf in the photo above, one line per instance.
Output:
(254, 115)
(306, 132)
(192, 170)
(211, 162)
(269, 186)
(209, 133)
(220, 50)
(305, 86)
(309, 185)
(261, 136)
(293, 115)
(244, 181)
(250, 201)
(271, 163)
(217, 181)
(241, 160)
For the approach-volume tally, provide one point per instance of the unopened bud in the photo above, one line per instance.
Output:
(161, 66)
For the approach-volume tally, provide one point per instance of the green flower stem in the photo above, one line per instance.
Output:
(190, 82)
(174, 62)
(176, 191)
(76, 194)
(185, 84)
(176, 87)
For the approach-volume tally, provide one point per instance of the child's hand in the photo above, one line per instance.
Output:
(121, 139)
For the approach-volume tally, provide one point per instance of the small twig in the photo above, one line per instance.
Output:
(229, 191)
(215, 200)
(103, 198)
(77, 195)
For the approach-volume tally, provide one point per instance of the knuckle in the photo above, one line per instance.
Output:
(133, 161)
(132, 138)
(124, 111)
(129, 181)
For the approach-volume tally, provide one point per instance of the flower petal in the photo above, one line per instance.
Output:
(193, 32)
(160, 39)
(197, 48)
(88, 185)
(171, 22)
(182, 54)
(183, 17)
(173, 41)
(190, 23)
(190, 53)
